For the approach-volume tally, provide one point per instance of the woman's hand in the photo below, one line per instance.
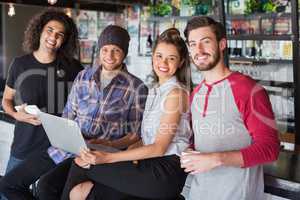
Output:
(81, 163)
(95, 157)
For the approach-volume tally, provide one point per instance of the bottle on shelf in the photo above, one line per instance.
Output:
(149, 43)
(239, 47)
(234, 50)
(230, 47)
(258, 50)
(250, 51)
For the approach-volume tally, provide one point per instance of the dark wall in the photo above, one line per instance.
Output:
(2, 82)
(13, 30)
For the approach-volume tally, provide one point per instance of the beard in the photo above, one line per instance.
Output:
(206, 67)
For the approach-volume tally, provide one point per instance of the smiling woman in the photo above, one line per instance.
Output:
(165, 63)
(165, 134)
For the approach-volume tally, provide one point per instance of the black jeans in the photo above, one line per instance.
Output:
(15, 184)
(155, 178)
(51, 185)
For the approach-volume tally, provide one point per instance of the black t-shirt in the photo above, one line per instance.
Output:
(44, 85)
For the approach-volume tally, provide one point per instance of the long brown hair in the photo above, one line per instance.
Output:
(172, 36)
(35, 27)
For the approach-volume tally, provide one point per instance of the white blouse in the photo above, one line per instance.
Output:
(151, 120)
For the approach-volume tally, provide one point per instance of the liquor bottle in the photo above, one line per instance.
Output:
(149, 41)
(253, 50)
(250, 50)
(239, 46)
(234, 49)
(229, 48)
(149, 45)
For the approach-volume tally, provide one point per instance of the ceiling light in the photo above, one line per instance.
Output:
(52, 2)
(68, 12)
(11, 10)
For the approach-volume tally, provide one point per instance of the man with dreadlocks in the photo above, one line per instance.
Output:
(50, 41)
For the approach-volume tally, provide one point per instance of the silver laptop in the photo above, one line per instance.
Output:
(65, 134)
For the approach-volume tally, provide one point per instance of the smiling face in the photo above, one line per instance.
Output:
(52, 36)
(166, 61)
(111, 57)
(204, 48)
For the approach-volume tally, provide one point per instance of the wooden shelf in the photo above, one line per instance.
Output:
(287, 137)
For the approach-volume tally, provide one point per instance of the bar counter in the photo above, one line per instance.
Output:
(282, 178)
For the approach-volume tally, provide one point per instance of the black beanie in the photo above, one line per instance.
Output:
(116, 35)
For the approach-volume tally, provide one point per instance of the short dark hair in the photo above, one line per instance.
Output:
(35, 27)
(172, 36)
(203, 21)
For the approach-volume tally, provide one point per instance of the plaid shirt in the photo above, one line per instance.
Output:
(108, 114)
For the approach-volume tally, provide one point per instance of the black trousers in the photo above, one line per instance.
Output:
(51, 184)
(155, 178)
(15, 184)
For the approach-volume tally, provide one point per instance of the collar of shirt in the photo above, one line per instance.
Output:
(166, 85)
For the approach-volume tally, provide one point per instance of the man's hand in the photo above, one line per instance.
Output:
(195, 162)
(22, 116)
(100, 141)
(136, 145)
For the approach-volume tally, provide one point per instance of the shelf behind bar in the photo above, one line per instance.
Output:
(228, 17)
(169, 18)
(257, 61)
(177, 18)
(276, 83)
(258, 16)
(259, 37)
(290, 120)
(277, 93)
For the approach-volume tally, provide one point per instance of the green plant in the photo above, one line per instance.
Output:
(196, 2)
(202, 7)
(269, 7)
(253, 6)
(160, 9)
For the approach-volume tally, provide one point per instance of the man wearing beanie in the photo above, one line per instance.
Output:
(106, 101)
